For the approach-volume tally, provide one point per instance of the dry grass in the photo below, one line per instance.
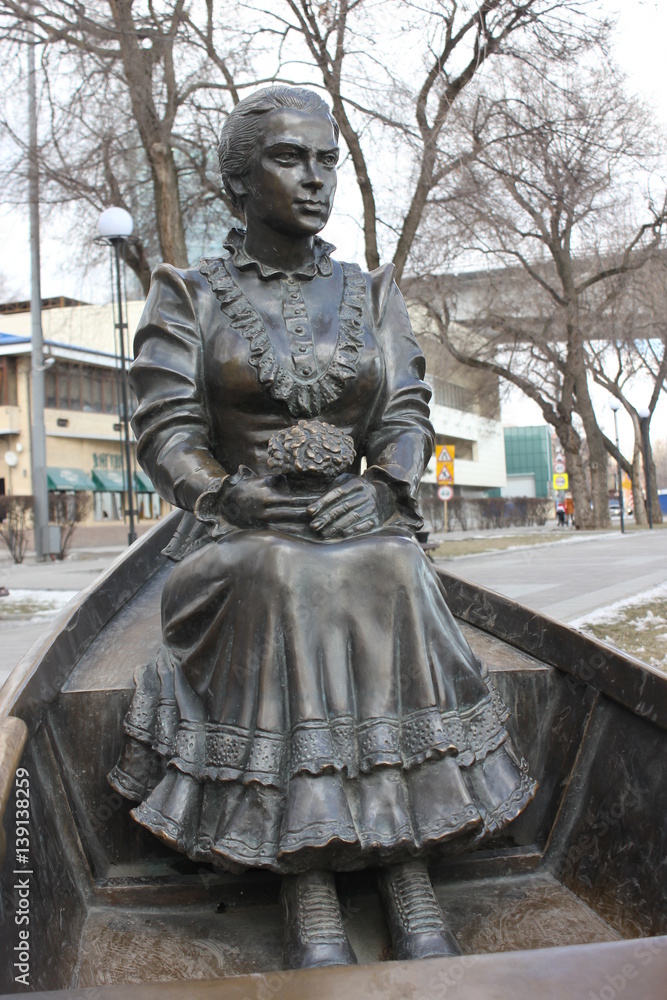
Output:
(638, 629)
(498, 543)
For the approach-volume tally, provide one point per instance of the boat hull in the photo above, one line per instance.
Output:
(580, 873)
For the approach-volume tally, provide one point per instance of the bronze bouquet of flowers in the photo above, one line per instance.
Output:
(310, 454)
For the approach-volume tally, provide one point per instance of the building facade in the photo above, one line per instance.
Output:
(528, 452)
(465, 412)
(82, 416)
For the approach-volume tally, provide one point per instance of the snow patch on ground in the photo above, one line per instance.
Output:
(635, 624)
(613, 612)
(34, 605)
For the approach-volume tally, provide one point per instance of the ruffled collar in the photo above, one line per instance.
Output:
(320, 264)
(303, 397)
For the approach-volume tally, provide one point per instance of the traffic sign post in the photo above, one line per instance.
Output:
(444, 473)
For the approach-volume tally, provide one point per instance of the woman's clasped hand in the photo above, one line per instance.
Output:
(353, 505)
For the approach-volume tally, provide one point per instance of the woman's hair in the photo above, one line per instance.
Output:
(240, 133)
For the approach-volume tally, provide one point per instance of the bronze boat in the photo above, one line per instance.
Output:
(571, 901)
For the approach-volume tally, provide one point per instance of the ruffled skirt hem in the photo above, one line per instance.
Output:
(437, 808)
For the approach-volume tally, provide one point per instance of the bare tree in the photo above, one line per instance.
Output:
(135, 95)
(129, 92)
(394, 72)
(548, 198)
(627, 355)
(66, 510)
(15, 518)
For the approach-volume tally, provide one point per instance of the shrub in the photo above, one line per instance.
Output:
(465, 513)
(67, 510)
(16, 517)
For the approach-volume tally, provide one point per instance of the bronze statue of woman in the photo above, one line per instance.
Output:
(313, 708)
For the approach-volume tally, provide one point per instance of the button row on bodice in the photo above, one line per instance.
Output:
(298, 328)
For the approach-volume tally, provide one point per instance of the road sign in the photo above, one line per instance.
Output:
(444, 464)
(445, 493)
(444, 453)
(559, 466)
(561, 481)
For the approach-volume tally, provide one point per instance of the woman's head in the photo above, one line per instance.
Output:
(241, 133)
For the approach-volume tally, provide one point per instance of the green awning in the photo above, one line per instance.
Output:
(68, 480)
(142, 483)
(109, 481)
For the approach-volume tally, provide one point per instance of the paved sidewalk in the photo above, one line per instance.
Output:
(568, 581)
(72, 574)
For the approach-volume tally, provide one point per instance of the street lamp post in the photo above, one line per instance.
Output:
(37, 432)
(615, 406)
(644, 417)
(115, 226)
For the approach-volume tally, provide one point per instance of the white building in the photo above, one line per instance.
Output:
(465, 412)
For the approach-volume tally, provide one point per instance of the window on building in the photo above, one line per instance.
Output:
(8, 382)
(445, 393)
(107, 506)
(69, 386)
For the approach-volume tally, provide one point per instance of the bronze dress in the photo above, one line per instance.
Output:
(313, 704)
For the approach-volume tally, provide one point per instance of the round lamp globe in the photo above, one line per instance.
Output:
(115, 223)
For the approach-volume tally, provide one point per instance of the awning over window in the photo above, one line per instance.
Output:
(59, 479)
(142, 483)
(109, 480)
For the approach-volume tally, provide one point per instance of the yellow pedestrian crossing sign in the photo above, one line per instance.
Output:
(444, 464)
(444, 453)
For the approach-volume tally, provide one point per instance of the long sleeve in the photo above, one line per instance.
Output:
(400, 438)
(171, 421)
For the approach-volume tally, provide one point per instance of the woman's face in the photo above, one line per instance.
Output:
(291, 185)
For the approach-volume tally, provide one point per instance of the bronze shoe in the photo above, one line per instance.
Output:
(313, 927)
(414, 917)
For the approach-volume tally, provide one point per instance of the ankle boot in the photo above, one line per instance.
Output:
(313, 927)
(415, 920)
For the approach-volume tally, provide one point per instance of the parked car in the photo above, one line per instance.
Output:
(615, 508)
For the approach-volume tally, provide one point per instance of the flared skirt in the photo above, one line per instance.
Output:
(315, 705)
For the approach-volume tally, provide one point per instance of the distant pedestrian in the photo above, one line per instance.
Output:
(569, 511)
(560, 513)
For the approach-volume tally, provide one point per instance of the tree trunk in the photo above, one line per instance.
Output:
(136, 260)
(637, 494)
(597, 452)
(168, 204)
(599, 477)
(571, 443)
(656, 513)
(155, 131)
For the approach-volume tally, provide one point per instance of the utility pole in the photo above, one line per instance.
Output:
(39, 484)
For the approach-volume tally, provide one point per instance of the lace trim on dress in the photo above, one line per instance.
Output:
(304, 397)
(225, 752)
